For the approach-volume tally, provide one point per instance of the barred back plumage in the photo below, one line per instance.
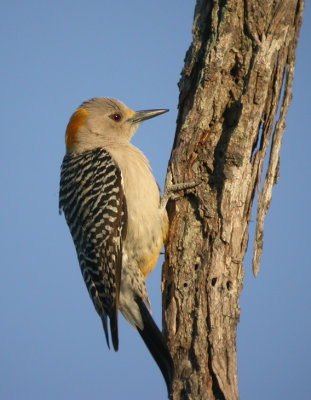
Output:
(92, 198)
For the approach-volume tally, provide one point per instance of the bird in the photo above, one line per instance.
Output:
(118, 223)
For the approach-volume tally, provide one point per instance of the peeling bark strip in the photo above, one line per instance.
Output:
(242, 55)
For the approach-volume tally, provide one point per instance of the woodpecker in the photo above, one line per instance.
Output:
(112, 205)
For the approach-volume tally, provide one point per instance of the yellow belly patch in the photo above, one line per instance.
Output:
(150, 262)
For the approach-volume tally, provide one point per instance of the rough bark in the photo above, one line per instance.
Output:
(238, 71)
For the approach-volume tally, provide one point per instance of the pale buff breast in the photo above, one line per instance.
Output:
(147, 222)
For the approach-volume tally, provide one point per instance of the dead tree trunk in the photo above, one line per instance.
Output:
(237, 72)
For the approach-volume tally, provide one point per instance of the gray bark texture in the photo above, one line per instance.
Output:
(235, 91)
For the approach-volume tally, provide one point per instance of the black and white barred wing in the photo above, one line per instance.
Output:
(92, 198)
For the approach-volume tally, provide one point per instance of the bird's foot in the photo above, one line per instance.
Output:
(172, 191)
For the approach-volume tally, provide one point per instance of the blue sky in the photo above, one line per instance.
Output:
(55, 55)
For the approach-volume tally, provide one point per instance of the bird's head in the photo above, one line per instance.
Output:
(102, 121)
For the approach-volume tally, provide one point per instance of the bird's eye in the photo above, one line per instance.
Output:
(116, 117)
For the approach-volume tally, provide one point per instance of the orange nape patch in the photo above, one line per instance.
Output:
(76, 121)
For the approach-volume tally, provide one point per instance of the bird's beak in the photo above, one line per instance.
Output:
(140, 116)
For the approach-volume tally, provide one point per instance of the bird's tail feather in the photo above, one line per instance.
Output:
(154, 340)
